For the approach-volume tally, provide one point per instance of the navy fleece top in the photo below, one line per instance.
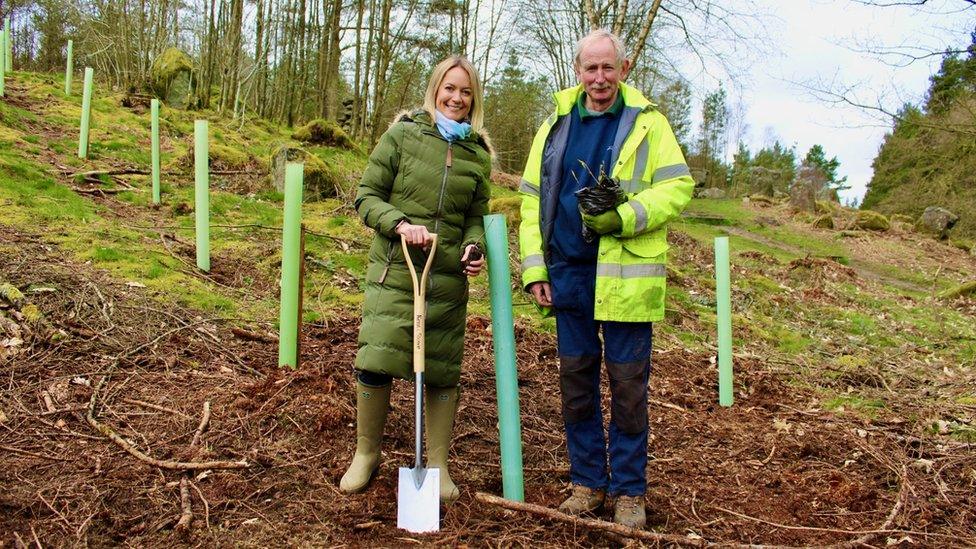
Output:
(591, 137)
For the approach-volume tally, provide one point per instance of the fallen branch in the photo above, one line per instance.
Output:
(161, 463)
(593, 524)
(186, 517)
(252, 336)
(117, 171)
(645, 535)
(98, 191)
(126, 445)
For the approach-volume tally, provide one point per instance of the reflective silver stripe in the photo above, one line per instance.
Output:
(631, 271)
(533, 261)
(529, 188)
(640, 164)
(640, 215)
(670, 172)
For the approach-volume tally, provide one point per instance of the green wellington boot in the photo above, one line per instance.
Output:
(441, 406)
(372, 404)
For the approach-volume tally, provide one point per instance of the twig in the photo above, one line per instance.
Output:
(31, 454)
(206, 505)
(152, 406)
(186, 517)
(126, 445)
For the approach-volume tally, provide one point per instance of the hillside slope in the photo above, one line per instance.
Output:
(855, 387)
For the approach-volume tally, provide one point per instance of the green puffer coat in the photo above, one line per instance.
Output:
(414, 174)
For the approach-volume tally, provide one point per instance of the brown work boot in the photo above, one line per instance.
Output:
(583, 500)
(629, 511)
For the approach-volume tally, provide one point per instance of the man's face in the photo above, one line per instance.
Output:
(598, 71)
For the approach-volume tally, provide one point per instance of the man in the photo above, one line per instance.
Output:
(616, 282)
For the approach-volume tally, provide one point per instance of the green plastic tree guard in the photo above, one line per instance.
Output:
(154, 110)
(3, 36)
(201, 164)
(503, 338)
(69, 68)
(724, 314)
(291, 243)
(8, 39)
(86, 101)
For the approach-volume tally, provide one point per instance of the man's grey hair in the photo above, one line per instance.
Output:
(597, 34)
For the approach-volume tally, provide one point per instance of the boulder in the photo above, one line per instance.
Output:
(712, 192)
(320, 181)
(937, 221)
(871, 221)
(221, 157)
(759, 199)
(324, 132)
(803, 197)
(824, 222)
(170, 77)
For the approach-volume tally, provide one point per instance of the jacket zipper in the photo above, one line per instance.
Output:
(386, 268)
(448, 162)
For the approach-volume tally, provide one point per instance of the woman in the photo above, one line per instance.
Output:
(428, 174)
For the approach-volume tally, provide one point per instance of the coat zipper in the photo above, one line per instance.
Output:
(448, 162)
(386, 268)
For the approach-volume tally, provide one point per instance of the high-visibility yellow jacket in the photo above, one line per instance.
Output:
(630, 272)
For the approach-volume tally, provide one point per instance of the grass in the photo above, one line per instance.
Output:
(850, 331)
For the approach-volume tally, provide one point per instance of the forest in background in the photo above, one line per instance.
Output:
(359, 62)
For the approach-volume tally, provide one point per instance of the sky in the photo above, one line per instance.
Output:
(817, 40)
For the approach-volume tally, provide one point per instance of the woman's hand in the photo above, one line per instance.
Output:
(473, 260)
(415, 235)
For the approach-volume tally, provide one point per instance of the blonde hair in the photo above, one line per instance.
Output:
(477, 113)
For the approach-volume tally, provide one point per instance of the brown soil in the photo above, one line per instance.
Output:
(724, 474)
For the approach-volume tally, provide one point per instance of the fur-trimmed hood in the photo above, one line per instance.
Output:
(423, 117)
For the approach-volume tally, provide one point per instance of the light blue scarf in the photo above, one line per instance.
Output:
(452, 130)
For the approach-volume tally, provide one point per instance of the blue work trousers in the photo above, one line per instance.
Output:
(627, 349)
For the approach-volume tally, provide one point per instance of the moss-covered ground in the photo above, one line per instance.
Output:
(851, 316)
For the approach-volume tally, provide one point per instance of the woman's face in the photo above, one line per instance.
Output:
(454, 95)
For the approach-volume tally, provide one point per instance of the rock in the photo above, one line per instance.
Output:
(320, 181)
(170, 76)
(901, 226)
(937, 221)
(712, 192)
(766, 221)
(871, 220)
(803, 197)
(828, 207)
(221, 157)
(759, 199)
(324, 132)
(824, 222)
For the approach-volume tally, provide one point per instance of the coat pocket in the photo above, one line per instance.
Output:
(647, 245)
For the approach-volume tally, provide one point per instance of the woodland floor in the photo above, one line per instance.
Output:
(775, 469)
